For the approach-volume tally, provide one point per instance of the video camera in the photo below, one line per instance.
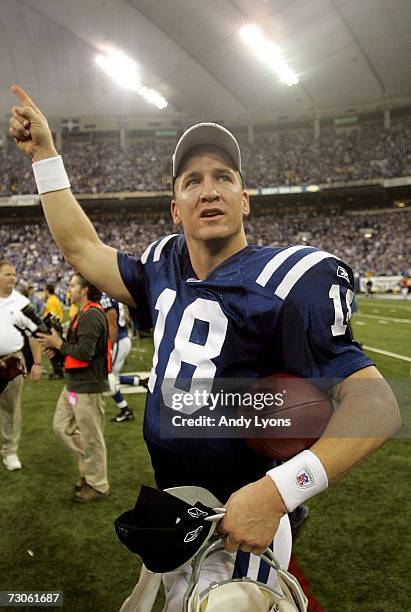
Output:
(31, 324)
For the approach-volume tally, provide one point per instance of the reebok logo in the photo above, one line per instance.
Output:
(196, 512)
(191, 535)
(342, 273)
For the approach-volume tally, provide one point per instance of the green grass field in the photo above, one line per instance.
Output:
(353, 549)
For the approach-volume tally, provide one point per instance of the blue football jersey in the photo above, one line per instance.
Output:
(108, 303)
(263, 310)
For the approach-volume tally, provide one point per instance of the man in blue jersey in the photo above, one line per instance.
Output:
(121, 346)
(116, 313)
(222, 309)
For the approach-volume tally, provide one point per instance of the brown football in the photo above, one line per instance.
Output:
(305, 408)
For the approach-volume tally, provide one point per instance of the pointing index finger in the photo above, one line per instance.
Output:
(22, 95)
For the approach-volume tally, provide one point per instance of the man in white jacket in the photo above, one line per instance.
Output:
(11, 343)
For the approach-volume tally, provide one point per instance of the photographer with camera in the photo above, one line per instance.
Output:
(12, 366)
(79, 416)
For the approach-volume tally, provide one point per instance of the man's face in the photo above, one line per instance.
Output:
(209, 202)
(77, 292)
(7, 279)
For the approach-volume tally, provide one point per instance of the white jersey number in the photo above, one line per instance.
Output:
(338, 328)
(198, 355)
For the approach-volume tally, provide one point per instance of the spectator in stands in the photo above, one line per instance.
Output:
(330, 231)
(286, 156)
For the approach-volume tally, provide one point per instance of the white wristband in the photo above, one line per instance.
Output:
(299, 478)
(50, 175)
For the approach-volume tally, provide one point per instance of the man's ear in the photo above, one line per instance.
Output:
(246, 203)
(174, 212)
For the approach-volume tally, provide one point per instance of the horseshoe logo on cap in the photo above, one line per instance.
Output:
(191, 535)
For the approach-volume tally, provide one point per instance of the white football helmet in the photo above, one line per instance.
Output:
(243, 594)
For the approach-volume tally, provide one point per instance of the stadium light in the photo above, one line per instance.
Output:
(268, 54)
(123, 70)
(152, 96)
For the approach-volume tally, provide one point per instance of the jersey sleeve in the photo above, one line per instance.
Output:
(314, 339)
(106, 302)
(132, 272)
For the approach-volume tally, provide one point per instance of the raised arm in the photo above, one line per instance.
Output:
(69, 225)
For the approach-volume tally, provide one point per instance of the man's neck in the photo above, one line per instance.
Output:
(5, 293)
(206, 256)
(82, 303)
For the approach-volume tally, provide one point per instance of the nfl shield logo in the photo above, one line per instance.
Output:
(304, 478)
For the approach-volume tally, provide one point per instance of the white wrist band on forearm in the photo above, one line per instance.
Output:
(50, 175)
(299, 478)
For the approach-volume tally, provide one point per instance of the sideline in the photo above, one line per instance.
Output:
(382, 316)
(387, 353)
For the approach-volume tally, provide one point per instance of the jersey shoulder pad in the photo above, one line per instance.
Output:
(158, 249)
(281, 270)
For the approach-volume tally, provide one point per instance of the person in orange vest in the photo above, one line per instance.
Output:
(79, 416)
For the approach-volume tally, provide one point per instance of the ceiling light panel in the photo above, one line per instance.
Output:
(123, 70)
(267, 53)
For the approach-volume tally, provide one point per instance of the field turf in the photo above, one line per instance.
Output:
(353, 549)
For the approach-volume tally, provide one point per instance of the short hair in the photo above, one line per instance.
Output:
(93, 294)
(5, 262)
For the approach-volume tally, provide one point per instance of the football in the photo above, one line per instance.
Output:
(294, 421)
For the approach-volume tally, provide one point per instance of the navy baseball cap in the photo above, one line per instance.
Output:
(206, 134)
(164, 530)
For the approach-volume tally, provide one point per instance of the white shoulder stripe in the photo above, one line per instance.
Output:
(157, 250)
(146, 253)
(274, 263)
(297, 271)
(161, 245)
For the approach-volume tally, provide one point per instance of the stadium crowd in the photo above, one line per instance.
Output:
(38, 260)
(282, 157)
